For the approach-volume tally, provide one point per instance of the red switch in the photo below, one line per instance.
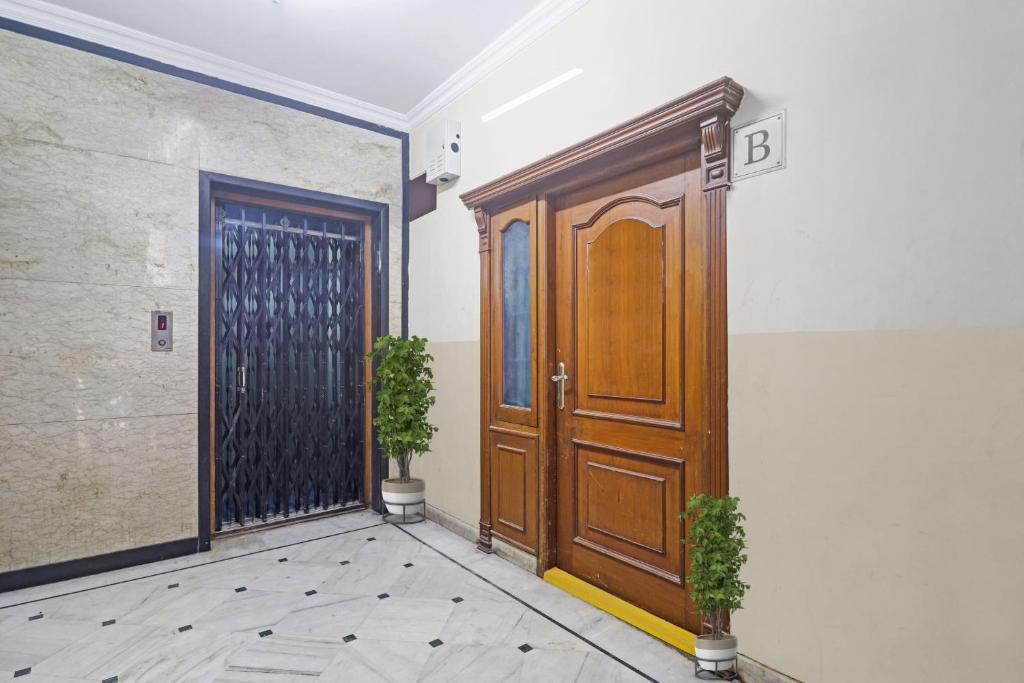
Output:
(161, 322)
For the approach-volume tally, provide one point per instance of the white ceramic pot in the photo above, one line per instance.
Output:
(396, 494)
(715, 654)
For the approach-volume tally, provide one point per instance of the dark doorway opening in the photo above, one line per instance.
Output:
(292, 292)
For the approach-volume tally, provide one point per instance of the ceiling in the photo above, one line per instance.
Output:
(377, 59)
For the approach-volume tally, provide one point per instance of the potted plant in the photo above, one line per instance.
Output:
(403, 382)
(717, 553)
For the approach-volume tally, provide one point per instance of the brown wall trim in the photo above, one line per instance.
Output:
(483, 227)
(422, 197)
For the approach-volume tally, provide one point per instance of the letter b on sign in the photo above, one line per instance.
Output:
(759, 147)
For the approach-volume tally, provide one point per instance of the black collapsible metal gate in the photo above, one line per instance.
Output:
(289, 322)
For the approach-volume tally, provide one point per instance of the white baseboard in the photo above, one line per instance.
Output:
(520, 558)
(753, 671)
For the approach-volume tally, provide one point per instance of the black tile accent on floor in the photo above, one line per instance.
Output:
(109, 622)
(372, 538)
(241, 589)
(22, 672)
(436, 642)
(35, 616)
(173, 585)
(407, 565)
(382, 596)
(522, 602)
(525, 647)
(352, 637)
(308, 593)
(283, 559)
(186, 627)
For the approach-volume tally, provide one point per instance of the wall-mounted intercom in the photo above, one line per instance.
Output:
(161, 330)
(444, 152)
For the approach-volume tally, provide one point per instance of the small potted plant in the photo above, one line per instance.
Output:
(717, 553)
(403, 383)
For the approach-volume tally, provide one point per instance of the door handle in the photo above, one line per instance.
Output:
(559, 381)
(243, 379)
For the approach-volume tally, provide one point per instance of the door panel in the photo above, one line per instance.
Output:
(291, 319)
(629, 327)
(623, 361)
(611, 480)
(514, 488)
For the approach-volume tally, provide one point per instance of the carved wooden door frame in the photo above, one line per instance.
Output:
(699, 120)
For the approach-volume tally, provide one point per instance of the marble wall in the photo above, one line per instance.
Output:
(99, 177)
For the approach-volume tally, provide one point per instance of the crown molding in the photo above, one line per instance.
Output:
(700, 115)
(518, 37)
(109, 34)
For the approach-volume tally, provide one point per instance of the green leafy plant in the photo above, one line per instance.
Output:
(717, 555)
(403, 381)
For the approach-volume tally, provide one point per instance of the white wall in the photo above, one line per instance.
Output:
(875, 307)
(904, 152)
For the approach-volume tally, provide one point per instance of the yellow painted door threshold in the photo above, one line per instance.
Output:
(631, 614)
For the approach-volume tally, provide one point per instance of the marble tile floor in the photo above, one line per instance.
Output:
(345, 598)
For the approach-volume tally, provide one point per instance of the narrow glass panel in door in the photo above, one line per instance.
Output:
(515, 313)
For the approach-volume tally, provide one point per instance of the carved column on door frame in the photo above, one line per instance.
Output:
(714, 136)
(483, 231)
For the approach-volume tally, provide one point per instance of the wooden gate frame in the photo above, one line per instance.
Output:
(699, 120)
(377, 214)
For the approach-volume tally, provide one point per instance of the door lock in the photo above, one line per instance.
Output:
(243, 379)
(559, 381)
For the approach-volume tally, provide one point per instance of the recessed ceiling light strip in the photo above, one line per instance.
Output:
(526, 97)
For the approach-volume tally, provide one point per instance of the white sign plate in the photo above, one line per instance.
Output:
(759, 147)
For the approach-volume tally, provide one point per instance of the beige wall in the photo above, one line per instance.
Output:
(881, 473)
(875, 308)
(453, 474)
(99, 181)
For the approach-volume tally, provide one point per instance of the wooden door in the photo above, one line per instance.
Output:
(629, 319)
(514, 364)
